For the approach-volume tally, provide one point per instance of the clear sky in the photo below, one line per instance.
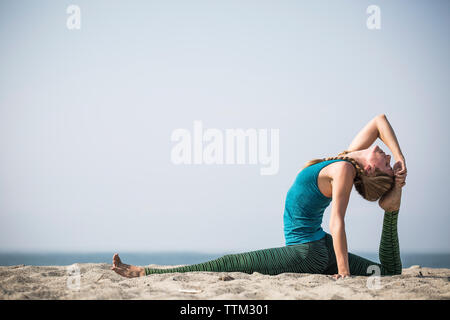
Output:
(86, 118)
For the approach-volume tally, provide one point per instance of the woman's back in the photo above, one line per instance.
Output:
(305, 205)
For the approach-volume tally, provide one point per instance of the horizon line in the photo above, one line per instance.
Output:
(79, 251)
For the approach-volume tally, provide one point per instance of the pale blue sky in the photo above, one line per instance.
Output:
(86, 118)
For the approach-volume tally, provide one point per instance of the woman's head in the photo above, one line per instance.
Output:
(375, 158)
(374, 175)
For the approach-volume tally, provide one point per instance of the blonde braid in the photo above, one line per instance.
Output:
(359, 170)
(343, 152)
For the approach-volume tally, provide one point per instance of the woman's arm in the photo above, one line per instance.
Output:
(366, 136)
(379, 127)
(387, 135)
(342, 183)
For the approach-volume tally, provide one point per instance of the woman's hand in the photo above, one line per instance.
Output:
(400, 173)
(341, 275)
(401, 165)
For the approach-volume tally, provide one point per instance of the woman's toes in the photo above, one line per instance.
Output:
(116, 260)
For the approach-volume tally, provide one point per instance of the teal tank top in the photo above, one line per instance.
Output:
(304, 206)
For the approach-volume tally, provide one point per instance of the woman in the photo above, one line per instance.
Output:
(323, 181)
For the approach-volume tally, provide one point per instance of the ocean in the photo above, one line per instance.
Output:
(433, 260)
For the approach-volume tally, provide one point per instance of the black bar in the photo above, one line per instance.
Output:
(218, 309)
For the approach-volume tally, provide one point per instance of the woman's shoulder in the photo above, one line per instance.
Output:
(339, 168)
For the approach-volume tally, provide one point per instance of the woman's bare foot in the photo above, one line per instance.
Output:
(126, 270)
(391, 200)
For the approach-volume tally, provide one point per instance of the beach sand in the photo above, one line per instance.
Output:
(97, 281)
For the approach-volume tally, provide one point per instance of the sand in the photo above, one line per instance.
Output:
(97, 281)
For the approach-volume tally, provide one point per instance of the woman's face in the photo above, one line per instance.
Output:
(377, 158)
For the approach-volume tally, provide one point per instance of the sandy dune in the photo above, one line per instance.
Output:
(97, 281)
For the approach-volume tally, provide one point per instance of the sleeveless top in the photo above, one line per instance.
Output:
(304, 206)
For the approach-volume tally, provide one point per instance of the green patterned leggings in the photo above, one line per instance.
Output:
(313, 257)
